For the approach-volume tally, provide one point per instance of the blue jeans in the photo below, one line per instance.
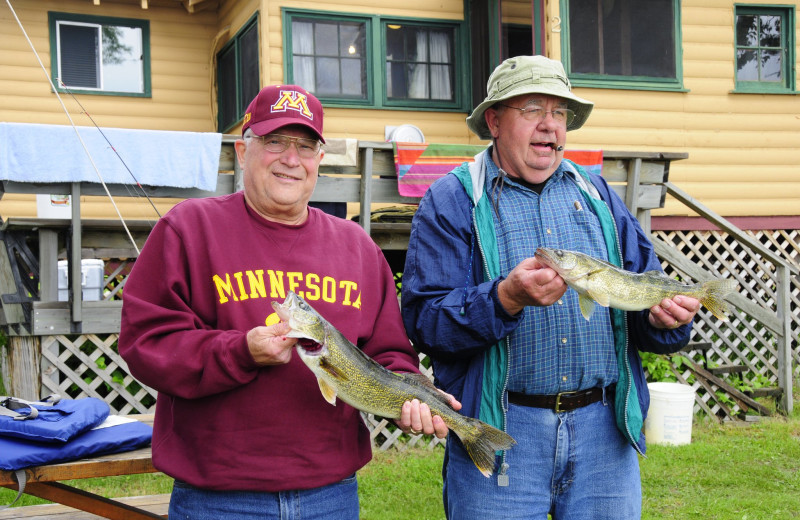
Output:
(337, 501)
(574, 466)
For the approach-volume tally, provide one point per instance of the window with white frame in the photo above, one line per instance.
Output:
(375, 61)
(100, 55)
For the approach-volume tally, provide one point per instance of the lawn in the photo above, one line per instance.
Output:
(727, 472)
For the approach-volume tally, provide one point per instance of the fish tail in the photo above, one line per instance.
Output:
(713, 293)
(482, 441)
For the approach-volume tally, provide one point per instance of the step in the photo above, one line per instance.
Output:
(158, 504)
(729, 369)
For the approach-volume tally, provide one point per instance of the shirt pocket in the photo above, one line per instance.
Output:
(586, 234)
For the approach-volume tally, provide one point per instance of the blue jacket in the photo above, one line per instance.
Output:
(452, 313)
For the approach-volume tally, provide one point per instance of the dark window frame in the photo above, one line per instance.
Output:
(787, 47)
(54, 17)
(375, 48)
(616, 81)
(245, 84)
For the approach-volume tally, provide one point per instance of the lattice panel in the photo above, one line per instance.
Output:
(742, 340)
(89, 366)
(116, 273)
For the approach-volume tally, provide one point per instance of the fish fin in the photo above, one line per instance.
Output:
(600, 298)
(587, 306)
(715, 292)
(328, 392)
(481, 442)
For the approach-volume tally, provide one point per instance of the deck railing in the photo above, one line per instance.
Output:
(69, 346)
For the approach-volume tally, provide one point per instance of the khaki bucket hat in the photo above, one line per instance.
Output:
(528, 75)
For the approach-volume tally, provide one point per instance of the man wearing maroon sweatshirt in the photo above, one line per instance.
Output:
(240, 422)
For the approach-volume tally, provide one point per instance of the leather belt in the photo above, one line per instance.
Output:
(563, 402)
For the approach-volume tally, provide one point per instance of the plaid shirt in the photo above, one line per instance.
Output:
(554, 349)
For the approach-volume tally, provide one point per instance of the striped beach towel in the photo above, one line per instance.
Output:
(418, 165)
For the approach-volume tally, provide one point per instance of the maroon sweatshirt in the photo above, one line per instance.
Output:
(208, 273)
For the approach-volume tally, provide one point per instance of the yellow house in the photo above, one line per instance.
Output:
(716, 79)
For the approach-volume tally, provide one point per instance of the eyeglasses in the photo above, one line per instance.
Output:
(277, 143)
(534, 113)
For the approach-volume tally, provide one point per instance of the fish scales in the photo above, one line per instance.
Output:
(345, 371)
(599, 282)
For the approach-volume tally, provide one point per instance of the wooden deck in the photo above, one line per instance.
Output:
(156, 504)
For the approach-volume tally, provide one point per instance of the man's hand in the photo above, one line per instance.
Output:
(416, 418)
(674, 312)
(530, 283)
(269, 345)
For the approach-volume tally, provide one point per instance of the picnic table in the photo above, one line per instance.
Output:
(46, 481)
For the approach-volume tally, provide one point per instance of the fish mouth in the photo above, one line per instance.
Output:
(544, 256)
(552, 258)
(310, 347)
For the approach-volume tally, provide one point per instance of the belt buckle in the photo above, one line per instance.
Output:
(557, 408)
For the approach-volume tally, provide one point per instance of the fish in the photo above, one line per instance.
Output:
(599, 282)
(345, 371)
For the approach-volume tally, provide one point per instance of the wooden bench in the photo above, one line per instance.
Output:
(46, 482)
(155, 504)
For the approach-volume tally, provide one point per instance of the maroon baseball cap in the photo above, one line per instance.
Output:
(281, 105)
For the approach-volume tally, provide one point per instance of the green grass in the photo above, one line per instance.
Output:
(727, 472)
(749, 472)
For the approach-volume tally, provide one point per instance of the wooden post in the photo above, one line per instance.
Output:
(20, 367)
(48, 265)
(784, 311)
(75, 273)
(366, 190)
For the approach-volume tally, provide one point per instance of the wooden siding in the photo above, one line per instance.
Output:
(743, 151)
(181, 57)
(744, 157)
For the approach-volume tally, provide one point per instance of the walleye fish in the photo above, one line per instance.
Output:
(343, 370)
(597, 281)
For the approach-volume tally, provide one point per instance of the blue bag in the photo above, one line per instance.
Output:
(116, 434)
(52, 419)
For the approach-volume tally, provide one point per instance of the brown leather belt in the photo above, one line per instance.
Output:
(563, 402)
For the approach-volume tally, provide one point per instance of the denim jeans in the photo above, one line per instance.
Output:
(337, 501)
(574, 465)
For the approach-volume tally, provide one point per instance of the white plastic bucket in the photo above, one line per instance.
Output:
(669, 419)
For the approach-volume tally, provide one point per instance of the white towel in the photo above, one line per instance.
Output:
(53, 153)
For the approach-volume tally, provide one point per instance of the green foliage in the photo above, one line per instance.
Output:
(658, 366)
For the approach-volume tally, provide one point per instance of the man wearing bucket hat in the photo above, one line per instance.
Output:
(505, 336)
(240, 422)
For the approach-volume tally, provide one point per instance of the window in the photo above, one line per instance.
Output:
(622, 43)
(237, 75)
(93, 54)
(330, 57)
(373, 61)
(764, 46)
(419, 62)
